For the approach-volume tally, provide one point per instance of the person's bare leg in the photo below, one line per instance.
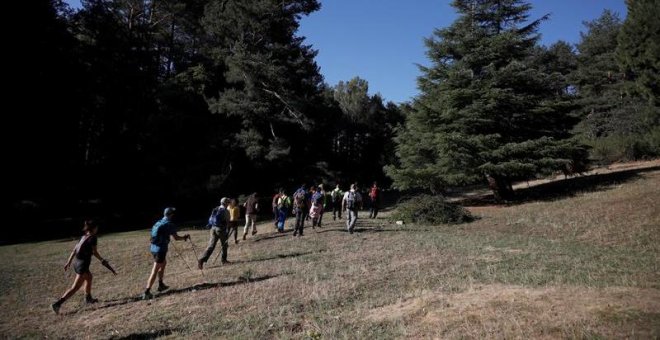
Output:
(88, 283)
(154, 271)
(77, 283)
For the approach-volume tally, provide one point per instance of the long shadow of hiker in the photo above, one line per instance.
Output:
(275, 257)
(197, 287)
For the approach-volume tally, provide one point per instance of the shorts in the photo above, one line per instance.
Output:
(159, 257)
(81, 266)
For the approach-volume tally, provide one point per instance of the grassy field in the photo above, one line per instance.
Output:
(586, 265)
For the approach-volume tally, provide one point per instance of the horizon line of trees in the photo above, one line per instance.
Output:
(123, 106)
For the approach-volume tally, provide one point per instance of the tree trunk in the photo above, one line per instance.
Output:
(501, 187)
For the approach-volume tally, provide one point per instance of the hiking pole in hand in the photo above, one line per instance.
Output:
(181, 257)
(192, 245)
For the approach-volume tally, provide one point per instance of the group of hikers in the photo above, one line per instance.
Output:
(223, 221)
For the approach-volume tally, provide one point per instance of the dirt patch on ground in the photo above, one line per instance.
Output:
(505, 311)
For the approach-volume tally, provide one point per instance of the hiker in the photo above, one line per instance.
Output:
(308, 201)
(251, 210)
(160, 240)
(336, 197)
(283, 205)
(351, 203)
(234, 216)
(218, 221)
(82, 253)
(318, 198)
(315, 212)
(299, 205)
(374, 199)
(276, 213)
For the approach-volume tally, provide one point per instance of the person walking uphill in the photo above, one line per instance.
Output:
(219, 221)
(251, 210)
(82, 258)
(234, 216)
(336, 197)
(160, 240)
(299, 209)
(351, 203)
(374, 199)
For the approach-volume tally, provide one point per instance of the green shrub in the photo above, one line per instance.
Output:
(618, 148)
(430, 210)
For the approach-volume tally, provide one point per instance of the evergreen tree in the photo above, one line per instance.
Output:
(615, 121)
(486, 109)
(639, 47)
(272, 81)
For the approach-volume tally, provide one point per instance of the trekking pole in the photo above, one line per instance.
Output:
(181, 257)
(192, 245)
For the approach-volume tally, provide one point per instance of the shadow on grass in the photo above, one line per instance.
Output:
(274, 257)
(193, 288)
(361, 230)
(146, 335)
(563, 188)
(278, 235)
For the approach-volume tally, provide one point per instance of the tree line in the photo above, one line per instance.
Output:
(123, 106)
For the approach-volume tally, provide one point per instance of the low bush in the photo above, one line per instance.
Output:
(430, 210)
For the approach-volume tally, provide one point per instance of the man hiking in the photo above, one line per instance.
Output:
(374, 199)
(251, 210)
(160, 240)
(276, 212)
(234, 217)
(318, 199)
(299, 209)
(82, 253)
(351, 203)
(336, 197)
(218, 221)
(283, 205)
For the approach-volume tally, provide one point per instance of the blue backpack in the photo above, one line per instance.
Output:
(217, 218)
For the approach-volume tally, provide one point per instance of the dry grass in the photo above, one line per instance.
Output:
(582, 267)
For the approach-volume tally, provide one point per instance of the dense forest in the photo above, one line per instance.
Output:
(123, 107)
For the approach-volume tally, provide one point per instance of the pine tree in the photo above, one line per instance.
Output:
(639, 47)
(486, 109)
(272, 83)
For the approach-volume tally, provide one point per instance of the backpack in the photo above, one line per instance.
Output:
(157, 237)
(217, 218)
(316, 198)
(374, 193)
(351, 201)
(299, 199)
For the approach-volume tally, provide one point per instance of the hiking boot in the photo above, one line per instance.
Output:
(147, 296)
(90, 300)
(162, 287)
(236, 241)
(254, 232)
(56, 307)
(295, 233)
(225, 262)
(244, 237)
(350, 231)
(200, 264)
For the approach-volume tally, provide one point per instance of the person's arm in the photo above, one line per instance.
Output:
(343, 204)
(97, 255)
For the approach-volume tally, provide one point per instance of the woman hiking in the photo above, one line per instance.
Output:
(82, 258)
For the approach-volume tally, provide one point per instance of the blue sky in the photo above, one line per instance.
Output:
(382, 40)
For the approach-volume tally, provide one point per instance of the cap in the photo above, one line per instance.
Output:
(224, 200)
(169, 211)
